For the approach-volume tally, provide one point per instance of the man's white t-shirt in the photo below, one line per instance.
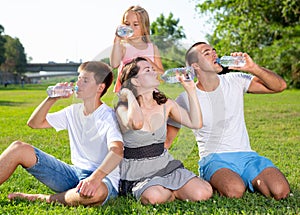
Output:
(224, 128)
(89, 135)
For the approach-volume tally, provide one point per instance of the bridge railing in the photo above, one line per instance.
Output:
(52, 67)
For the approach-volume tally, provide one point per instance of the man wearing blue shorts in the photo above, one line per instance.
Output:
(226, 158)
(95, 141)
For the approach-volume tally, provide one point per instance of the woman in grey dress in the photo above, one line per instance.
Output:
(148, 171)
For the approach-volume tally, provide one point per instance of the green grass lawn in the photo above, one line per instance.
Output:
(273, 122)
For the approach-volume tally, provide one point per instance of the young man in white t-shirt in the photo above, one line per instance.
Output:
(95, 141)
(226, 158)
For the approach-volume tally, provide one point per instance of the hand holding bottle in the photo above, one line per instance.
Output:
(172, 75)
(248, 65)
(232, 61)
(124, 31)
(188, 85)
(64, 90)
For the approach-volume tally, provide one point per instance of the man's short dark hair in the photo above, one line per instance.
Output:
(191, 56)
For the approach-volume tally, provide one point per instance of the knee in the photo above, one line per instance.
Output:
(16, 144)
(155, 198)
(19, 146)
(282, 192)
(234, 191)
(151, 199)
(98, 200)
(20, 153)
(204, 193)
(101, 195)
(272, 183)
(207, 192)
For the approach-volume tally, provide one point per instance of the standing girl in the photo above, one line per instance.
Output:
(138, 45)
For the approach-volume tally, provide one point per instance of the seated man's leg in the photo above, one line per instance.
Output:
(54, 173)
(263, 176)
(223, 174)
(271, 182)
(18, 153)
(72, 197)
(228, 183)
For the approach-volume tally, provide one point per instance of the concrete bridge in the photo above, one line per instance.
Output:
(52, 67)
(36, 71)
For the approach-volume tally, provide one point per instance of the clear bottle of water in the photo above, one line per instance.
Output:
(124, 31)
(170, 75)
(58, 91)
(237, 61)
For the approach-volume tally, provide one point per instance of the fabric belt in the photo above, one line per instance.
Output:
(152, 150)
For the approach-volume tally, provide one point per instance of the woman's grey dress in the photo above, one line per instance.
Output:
(146, 163)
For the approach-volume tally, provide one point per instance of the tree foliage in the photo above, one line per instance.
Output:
(266, 29)
(2, 42)
(166, 34)
(15, 58)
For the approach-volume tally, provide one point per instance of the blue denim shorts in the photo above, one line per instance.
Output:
(246, 164)
(60, 176)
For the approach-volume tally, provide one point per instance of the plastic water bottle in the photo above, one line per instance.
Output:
(170, 75)
(58, 91)
(237, 61)
(124, 31)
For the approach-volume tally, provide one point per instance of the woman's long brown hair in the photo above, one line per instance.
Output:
(131, 70)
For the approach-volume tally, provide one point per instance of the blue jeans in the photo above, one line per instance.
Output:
(60, 177)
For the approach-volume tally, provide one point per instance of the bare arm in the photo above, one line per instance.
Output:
(265, 81)
(130, 117)
(117, 53)
(171, 134)
(193, 117)
(38, 117)
(157, 61)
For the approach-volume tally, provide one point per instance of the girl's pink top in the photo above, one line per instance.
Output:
(131, 53)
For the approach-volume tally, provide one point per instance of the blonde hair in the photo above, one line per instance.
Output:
(143, 19)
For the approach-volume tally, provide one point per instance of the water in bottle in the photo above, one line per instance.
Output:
(75, 88)
(236, 61)
(124, 31)
(58, 91)
(170, 75)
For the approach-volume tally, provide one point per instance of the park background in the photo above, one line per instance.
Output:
(268, 30)
(73, 31)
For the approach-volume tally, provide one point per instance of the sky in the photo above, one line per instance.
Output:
(78, 31)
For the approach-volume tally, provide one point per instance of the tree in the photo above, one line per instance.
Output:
(2, 42)
(166, 34)
(15, 58)
(268, 30)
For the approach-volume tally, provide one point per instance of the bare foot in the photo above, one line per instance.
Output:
(30, 197)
